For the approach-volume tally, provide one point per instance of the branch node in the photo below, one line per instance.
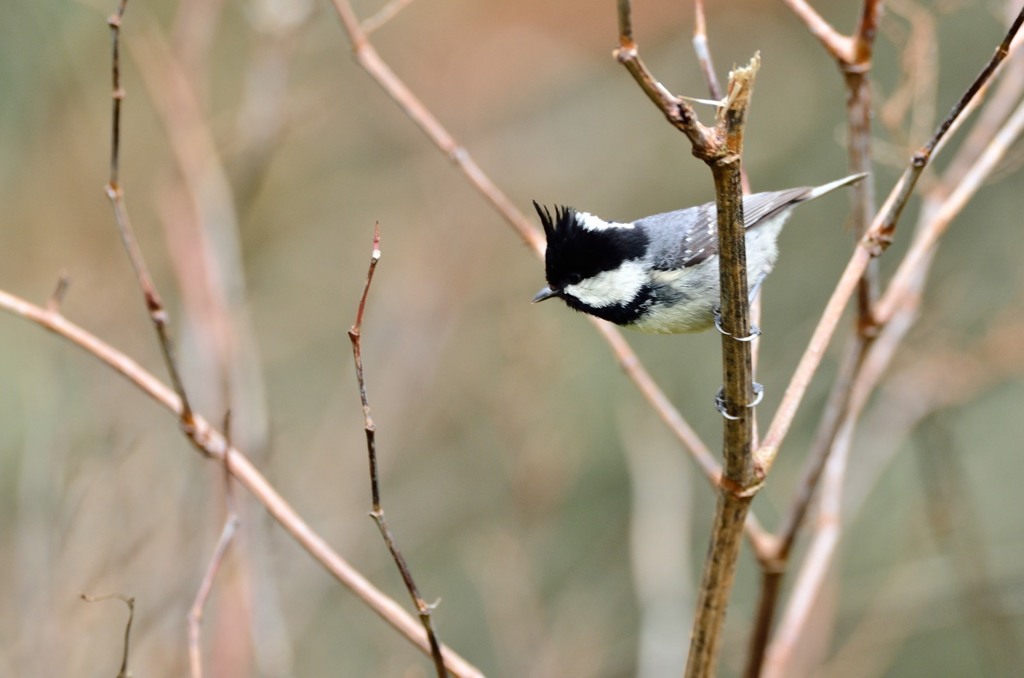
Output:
(625, 52)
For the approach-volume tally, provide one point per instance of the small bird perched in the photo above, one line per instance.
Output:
(660, 273)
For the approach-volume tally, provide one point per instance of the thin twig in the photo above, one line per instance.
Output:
(423, 608)
(130, 602)
(679, 113)
(707, 67)
(154, 305)
(213, 444)
(227, 535)
(700, 47)
(963, 191)
(837, 412)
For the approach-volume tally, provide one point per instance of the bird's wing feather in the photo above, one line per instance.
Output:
(700, 240)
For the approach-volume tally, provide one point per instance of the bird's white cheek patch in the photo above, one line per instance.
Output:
(618, 286)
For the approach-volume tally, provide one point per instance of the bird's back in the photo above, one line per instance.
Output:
(686, 237)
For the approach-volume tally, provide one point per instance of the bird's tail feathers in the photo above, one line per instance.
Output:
(833, 185)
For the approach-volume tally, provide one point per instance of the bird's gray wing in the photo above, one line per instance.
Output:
(689, 236)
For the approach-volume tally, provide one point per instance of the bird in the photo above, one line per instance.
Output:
(659, 274)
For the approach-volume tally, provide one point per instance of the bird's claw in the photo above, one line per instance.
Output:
(755, 331)
(723, 410)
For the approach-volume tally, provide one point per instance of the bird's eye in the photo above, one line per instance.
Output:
(575, 278)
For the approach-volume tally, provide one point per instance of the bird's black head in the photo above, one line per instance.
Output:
(595, 266)
(581, 246)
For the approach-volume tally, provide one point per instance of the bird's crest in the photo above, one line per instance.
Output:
(561, 228)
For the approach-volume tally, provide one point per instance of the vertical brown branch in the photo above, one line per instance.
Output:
(740, 479)
(737, 372)
(720, 148)
(377, 512)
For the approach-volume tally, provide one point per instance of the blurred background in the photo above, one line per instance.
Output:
(531, 489)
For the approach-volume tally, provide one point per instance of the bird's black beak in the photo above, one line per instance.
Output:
(545, 293)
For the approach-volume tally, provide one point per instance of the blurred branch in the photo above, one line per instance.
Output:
(384, 15)
(940, 380)
(828, 524)
(197, 206)
(700, 47)
(227, 535)
(130, 602)
(957, 530)
(909, 112)
(213, 444)
(377, 513)
(773, 569)
(707, 67)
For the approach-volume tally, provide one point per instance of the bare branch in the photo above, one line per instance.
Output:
(707, 67)
(720, 148)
